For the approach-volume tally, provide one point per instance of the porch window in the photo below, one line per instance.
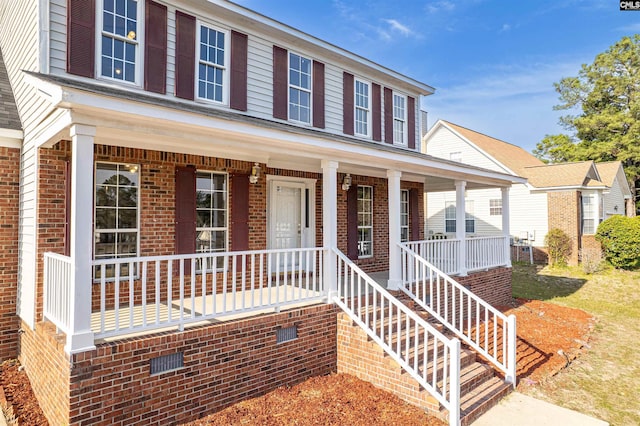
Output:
(365, 221)
(450, 217)
(399, 119)
(212, 64)
(119, 39)
(588, 214)
(404, 215)
(299, 88)
(495, 207)
(211, 215)
(116, 215)
(362, 108)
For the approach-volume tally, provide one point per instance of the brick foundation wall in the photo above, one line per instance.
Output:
(9, 224)
(493, 286)
(521, 254)
(223, 364)
(564, 213)
(591, 248)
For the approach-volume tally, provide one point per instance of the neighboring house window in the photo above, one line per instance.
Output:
(588, 215)
(365, 221)
(119, 39)
(495, 207)
(362, 108)
(212, 64)
(116, 231)
(399, 119)
(211, 214)
(404, 215)
(299, 88)
(456, 156)
(450, 217)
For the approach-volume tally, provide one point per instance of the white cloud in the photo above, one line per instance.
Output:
(633, 28)
(505, 28)
(440, 6)
(398, 27)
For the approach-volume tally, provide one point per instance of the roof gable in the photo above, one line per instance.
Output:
(9, 118)
(612, 171)
(578, 174)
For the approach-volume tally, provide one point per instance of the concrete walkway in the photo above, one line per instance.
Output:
(522, 410)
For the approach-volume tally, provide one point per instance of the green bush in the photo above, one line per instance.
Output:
(620, 239)
(559, 246)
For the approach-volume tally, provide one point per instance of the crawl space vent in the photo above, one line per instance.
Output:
(286, 334)
(165, 363)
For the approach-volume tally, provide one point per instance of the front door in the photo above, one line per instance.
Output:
(286, 214)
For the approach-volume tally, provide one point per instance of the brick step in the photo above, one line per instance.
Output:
(478, 401)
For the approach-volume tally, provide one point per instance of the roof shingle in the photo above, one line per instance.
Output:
(9, 118)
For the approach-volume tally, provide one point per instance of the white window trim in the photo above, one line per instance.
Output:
(227, 60)
(491, 207)
(139, 50)
(408, 225)
(468, 215)
(356, 107)
(405, 130)
(310, 90)
(367, 256)
(594, 214)
(228, 210)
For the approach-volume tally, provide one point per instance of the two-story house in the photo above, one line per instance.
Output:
(204, 196)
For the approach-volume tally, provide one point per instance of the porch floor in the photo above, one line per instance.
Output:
(227, 307)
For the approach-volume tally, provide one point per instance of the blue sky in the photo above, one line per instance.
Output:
(493, 63)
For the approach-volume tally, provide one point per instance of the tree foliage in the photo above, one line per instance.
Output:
(603, 102)
(559, 245)
(620, 239)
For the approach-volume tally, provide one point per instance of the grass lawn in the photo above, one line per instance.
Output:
(605, 381)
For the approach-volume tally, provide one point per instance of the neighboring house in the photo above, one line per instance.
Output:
(574, 197)
(198, 186)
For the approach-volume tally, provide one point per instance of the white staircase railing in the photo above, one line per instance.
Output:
(477, 323)
(398, 329)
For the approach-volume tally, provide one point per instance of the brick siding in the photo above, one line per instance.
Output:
(493, 286)
(564, 214)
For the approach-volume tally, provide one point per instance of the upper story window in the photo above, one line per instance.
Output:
(362, 108)
(456, 156)
(495, 207)
(399, 119)
(120, 40)
(299, 88)
(212, 64)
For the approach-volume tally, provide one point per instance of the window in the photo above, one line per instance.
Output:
(119, 39)
(456, 156)
(299, 88)
(588, 215)
(399, 120)
(212, 71)
(116, 232)
(365, 221)
(211, 215)
(404, 215)
(495, 207)
(450, 217)
(362, 106)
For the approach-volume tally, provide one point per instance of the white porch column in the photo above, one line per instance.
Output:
(395, 270)
(461, 226)
(80, 336)
(506, 231)
(330, 224)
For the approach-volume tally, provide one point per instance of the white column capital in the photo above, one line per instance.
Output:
(391, 174)
(82, 130)
(461, 184)
(329, 164)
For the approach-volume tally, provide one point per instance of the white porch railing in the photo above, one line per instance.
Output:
(485, 252)
(476, 322)
(441, 253)
(398, 330)
(57, 288)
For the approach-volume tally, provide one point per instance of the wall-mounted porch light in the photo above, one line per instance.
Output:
(346, 182)
(255, 173)
(615, 208)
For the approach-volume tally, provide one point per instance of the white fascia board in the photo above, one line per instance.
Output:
(53, 128)
(568, 188)
(10, 138)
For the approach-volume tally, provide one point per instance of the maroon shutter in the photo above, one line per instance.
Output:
(240, 212)
(388, 115)
(239, 54)
(185, 55)
(155, 48)
(318, 94)
(347, 103)
(376, 112)
(411, 122)
(185, 212)
(414, 214)
(81, 22)
(280, 83)
(67, 208)
(352, 222)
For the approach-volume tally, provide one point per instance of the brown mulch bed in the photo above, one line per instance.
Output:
(549, 338)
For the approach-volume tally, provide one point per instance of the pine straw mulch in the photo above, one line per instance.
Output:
(549, 338)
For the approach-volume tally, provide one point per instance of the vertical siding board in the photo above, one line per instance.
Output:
(414, 214)
(376, 112)
(81, 37)
(411, 122)
(388, 115)
(352, 222)
(240, 212)
(280, 83)
(155, 50)
(238, 78)
(185, 55)
(318, 95)
(347, 104)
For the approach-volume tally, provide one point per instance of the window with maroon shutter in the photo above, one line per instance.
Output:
(81, 37)
(155, 51)
(347, 103)
(211, 216)
(376, 112)
(185, 55)
(388, 115)
(318, 94)
(185, 210)
(414, 214)
(280, 83)
(240, 212)
(352, 222)
(238, 89)
(411, 122)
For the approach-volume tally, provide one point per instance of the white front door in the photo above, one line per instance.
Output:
(287, 212)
